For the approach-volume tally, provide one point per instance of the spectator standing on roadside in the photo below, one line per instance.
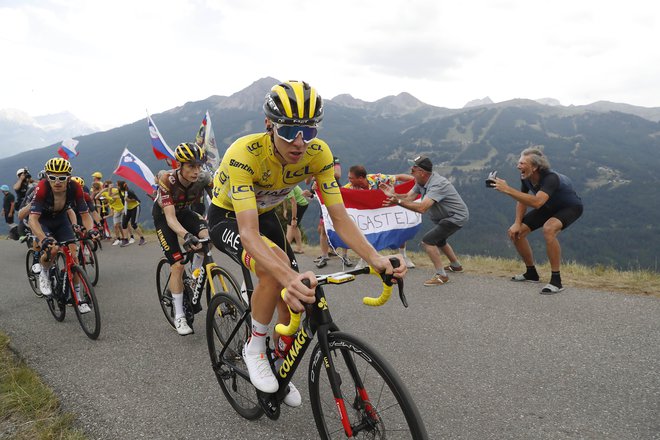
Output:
(130, 214)
(298, 207)
(8, 205)
(446, 209)
(555, 206)
(23, 181)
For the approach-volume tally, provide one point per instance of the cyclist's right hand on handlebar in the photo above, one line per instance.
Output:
(190, 242)
(46, 243)
(297, 293)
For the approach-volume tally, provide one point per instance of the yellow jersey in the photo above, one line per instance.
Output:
(251, 177)
(114, 201)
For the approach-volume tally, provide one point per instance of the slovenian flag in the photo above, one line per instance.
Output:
(160, 148)
(134, 170)
(68, 149)
(206, 138)
(384, 227)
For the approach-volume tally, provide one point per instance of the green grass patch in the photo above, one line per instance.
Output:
(28, 408)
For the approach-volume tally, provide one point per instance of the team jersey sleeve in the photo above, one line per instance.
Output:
(39, 197)
(241, 185)
(164, 192)
(325, 177)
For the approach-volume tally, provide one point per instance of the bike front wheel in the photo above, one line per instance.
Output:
(84, 294)
(163, 274)
(88, 260)
(33, 278)
(376, 403)
(222, 317)
(223, 281)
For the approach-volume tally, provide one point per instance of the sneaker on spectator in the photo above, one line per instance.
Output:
(451, 268)
(437, 280)
(347, 261)
(142, 241)
(181, 326)
(131, 241)
(293, 397)
(261, 375)
(322, 262)
(44, 283)
(84, 308)
(116, 242)
(409, 263)
(317, 259)
(124, 243)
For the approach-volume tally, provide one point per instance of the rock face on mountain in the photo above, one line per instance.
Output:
(478, 102)
(611, 156)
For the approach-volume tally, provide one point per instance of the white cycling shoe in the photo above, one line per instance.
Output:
(84, 308)
(261, 375)
(293, 397)
(44, 283)
(181, 326)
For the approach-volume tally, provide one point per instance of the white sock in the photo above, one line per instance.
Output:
(177, 299)
(257, 343)
(403, 251)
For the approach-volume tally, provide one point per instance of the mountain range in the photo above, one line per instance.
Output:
(609, 150)
(20, 131)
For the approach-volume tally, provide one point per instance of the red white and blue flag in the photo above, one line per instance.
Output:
(158, 144)
(384, 227)
(206, 138)
(134, 170)
(68, 149)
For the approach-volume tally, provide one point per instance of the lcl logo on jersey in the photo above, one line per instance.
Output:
(330, 187)
(296, 176)
(242, 192)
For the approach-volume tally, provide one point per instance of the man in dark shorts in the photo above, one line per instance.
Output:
(446, 209)
(555, 206)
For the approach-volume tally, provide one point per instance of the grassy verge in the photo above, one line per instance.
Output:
(639, 282)
(28, 408)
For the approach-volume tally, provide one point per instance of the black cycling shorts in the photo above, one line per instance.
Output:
(536, 218)
(169, 241)
(223, 228)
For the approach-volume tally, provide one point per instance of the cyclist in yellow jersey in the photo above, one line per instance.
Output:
(256, 174)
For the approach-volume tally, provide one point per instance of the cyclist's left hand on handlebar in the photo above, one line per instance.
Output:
(190, 242)
(93, 233)
(383, 264)
(297, 293)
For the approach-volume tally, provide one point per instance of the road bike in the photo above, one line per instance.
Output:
(66, 291)
(360, 395)
(210, 275)
(87, 257)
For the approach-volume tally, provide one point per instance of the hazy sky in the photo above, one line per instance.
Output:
(108, 61)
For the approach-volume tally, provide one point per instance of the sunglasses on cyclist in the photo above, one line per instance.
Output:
(289, 133)
(54, 178)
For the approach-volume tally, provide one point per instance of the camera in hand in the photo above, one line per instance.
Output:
(490, 180)
(27, 173)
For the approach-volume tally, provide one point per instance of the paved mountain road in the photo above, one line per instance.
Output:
(483, 357)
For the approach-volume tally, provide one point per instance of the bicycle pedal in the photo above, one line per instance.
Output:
(269, 404)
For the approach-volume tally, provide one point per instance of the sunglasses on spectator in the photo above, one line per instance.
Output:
(53, 178)
(289, 133)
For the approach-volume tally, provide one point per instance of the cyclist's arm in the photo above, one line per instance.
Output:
(71, 215)
(35, 226)
(87, 220)
(172, 222)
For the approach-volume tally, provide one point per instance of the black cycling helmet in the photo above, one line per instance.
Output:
(189, 152)
(294, 103)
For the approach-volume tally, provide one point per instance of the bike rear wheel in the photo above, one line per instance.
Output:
(223, 281)
(33, 278)
(377, 404)
(89, 261)
(90, 321)
(222, 317)
(163, 274)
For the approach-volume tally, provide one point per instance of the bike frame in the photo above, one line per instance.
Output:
(69, 263)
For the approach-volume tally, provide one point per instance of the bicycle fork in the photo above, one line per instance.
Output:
(361, 399)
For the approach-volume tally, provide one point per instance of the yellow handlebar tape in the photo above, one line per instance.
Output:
(384, 296)
(292, 327)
